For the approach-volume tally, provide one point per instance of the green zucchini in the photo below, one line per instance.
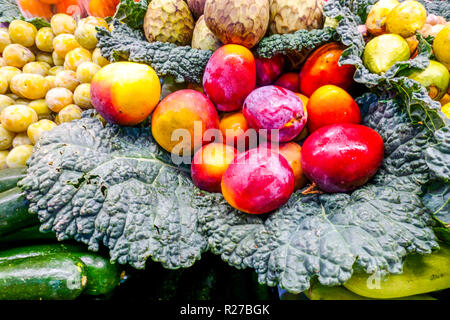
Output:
(10, 177)
(14, 213)
(421, 274)
(102, 275)
(49, 277)
(27, 234)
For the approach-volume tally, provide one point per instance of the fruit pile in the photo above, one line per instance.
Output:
(392, 28)
(257, 130)
(45, 80)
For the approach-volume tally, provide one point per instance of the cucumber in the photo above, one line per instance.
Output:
(49, 277)
(10, 177)
(102, 276)
(14, 213)
(421, 274)
(27, 234)
(321, 292)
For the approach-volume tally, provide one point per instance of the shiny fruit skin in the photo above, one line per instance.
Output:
(268, 70)
(67, 79)
(406, 18)
(209, 164)
(82, 96)
(103, 8)
(331, 105)
(34, 8)
(6, 138)
(63, 23)
(376, 20)
(22, 32)
(97, 58)
(446, 109)
(37, 67)
(37, 129)
(76, 57)
(275, 108)
(4, 40)
(234, 128)
(435, 78)
(16, 55)
(17, 118)
(290, 81)
(441, 46)
(63, 43)
(58, 98)
(86, 71)
(229, 77)
(114, 85)
(68, 114)
(291, 151)
(382, 52)
(181, 110)
(342, 157)
(322, 67)
(19, 155)
(258, 181)
(29, 86)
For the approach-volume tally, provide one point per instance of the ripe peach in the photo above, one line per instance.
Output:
(190, 111)
(274, 108)
(229, 77)
(322, 67)
(268, 70)
(289, 81)
(330, 105)
(209, 164)
(234, 128)
(258, 181)
(125, 93)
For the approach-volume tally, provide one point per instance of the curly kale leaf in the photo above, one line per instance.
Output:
(300, 41)
(437, 193)
(131, 12)
(437, 7)
(184, 63)
(438, 155)
(116, 186)
(10, 11)
(324, 236)
(359, 8)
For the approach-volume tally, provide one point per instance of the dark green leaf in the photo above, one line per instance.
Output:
(132, 13)
(301, 41)
(114, 185)
(437, 7)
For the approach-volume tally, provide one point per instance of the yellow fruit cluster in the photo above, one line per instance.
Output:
(45, 80)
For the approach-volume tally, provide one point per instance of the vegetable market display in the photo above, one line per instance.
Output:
(322, 161)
